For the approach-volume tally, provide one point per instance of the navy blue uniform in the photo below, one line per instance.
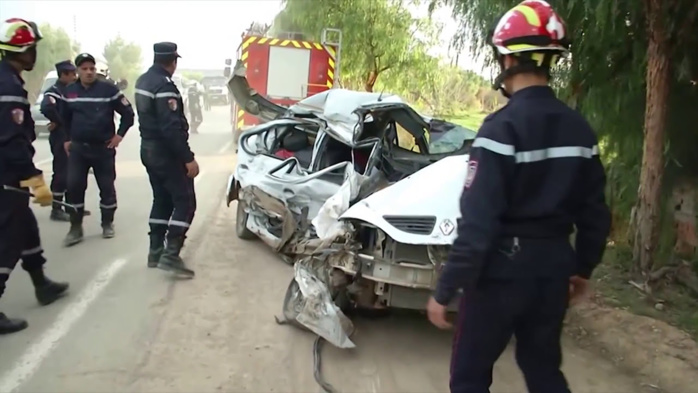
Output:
(534, 174)
(19, 232)
(51, 106)
(165, 151)
(89, 124)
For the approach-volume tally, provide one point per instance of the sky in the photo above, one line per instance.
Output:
(206, 32)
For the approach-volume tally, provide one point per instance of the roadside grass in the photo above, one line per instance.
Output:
(670, 302)
(471, 119)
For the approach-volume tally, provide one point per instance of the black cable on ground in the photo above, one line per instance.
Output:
(317, 371)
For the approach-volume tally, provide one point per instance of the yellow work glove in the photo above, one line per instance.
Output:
(42, 194)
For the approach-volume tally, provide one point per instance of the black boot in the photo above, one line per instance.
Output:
(157, 246)
(11, 325)
(59, 215)
(170, 259)
(108, 230)
(46, 291)
(75, 234)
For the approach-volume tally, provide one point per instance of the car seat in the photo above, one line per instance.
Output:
(297, 143)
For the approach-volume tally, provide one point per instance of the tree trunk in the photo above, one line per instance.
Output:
(371, 81)
(658, 79)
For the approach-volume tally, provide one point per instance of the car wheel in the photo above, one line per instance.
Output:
(241, 223)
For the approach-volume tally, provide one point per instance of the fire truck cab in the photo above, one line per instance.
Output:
(280, 71)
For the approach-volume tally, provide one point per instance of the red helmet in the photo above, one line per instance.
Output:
(18, 35)
(531, 26)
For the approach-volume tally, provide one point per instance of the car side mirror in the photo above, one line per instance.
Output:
(228, 62)
(226, 72)
(122, 84)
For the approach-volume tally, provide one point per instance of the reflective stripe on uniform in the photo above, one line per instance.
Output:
(78, 205)
(176, 223)
(5, 270)
(158, 221)
(94, 99)
(158, 95)
(112, 206)
(536, 155)
(32, 251)
(19, 99)
(58, 194)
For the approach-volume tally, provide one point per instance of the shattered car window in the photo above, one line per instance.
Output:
(450, 141)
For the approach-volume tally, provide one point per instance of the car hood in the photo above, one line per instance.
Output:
(248, 98)
(431, 194)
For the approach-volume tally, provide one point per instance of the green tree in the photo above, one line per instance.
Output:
(124, 60)
(378, 35)
(54, 47)
(631, 75)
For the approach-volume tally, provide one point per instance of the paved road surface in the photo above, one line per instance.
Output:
(125, 328)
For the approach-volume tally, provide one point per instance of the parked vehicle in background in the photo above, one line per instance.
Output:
(284, 69)
(216, 88)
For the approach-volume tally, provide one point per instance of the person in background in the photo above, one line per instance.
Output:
(194, 99)
(51, 106)
(207, 98)
(534, 173)
(91, 142)
(19, 231)
(168, 159)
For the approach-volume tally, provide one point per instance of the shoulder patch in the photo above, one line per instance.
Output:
(18, 116)
(52, 100)
(172, 103)
(124, 101)
(472, 171)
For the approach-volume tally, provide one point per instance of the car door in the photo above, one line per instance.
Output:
(281, 192)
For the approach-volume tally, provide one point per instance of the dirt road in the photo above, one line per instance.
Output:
(126, 328)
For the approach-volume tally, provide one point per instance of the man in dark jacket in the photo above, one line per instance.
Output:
(168, 159)
(91, 142)
(19, 232)
(51, 106)
(534, 174)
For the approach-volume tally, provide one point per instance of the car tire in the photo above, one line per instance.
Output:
(241, 229)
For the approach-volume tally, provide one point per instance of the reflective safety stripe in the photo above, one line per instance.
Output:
(78, 205)
(112, 206)
(158, 95)
(176, 223)
(536, 155)
(19, 99)
(94, 99)
(32, 251)
(158, 221)
(144, 93)
(5, 270)
(58, 194)
(52, 94)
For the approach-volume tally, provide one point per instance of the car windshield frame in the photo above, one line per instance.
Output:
(451, 141)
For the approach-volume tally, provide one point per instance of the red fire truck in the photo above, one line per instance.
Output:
(284, 70)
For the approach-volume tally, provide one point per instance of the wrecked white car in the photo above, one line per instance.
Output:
(359, 180)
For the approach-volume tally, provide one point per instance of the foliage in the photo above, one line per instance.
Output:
(124, 60)
(606, 79)
(54, 47)
(377, 35)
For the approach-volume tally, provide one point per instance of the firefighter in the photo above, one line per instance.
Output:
(19, 232)
(50, 107)
(167, 158)
(534, 173)
(91, 143)
(194, 99)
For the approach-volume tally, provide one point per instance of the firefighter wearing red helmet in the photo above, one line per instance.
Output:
(19, 232)
(534, 174)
